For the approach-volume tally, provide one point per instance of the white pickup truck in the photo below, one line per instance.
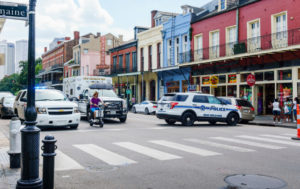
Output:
(52, 106)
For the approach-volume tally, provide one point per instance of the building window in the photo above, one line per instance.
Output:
(85, 51)
(231, 40)
(158, 55)
(109, 42)
(169, 52)
(150, 58)
(82, 71)
(142, 59)
(222, 4)
(121, 63)
(284, 74)
(253, 36)
(199, 47)
(134, 66)
(87, 70)
(177, 51)
(279, 30)
(127, 62)
(214, 44)
(114, 64)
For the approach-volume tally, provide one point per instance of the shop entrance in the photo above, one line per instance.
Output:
(264, 95)
(152, 90)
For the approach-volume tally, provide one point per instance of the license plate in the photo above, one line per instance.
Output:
(113, 112)
(246, 111)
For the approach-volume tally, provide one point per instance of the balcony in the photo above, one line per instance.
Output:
(267, 44)
(123, 70)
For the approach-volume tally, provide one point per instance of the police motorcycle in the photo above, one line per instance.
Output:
(98, 119)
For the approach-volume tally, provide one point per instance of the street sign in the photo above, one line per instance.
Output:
(128, 91)
(192, 87)
(251, 80)
(14, 11)
(214, 81)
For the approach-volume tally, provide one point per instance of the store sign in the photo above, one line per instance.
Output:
(206, 80)
(214, 80)
(251, 80)
(192, 88)
(13, 11)
(232, 78)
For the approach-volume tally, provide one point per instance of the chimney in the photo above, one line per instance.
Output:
(45, 49)
(98, 34)
(121, 38)
(67, 38)
(153, 13)
(76, 35)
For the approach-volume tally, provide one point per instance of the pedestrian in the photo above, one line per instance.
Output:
(133, 100)
(295, 103)
(288, 109)
(276, 111)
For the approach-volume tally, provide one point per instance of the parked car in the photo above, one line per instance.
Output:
(52, 106)
(147, 107)
(5, 94)
(6, 106)
(246, 108)
(193, 106)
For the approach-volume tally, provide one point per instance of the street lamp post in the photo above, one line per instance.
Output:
(30, 134)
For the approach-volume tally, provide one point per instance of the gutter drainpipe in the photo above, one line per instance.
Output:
(237, 21)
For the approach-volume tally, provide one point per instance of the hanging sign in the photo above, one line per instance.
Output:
(251, 80)
(14, 11)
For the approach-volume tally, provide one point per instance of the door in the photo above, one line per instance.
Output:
(254, 40)
(269, 97)
(258, 99)
(217, 109)
(201, 106)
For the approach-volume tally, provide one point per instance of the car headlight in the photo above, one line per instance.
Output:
(76, 110)
(41, 110)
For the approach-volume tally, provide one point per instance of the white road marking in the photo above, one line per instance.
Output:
(218, 145)
(270, 140)
(288, 134)
(276, 136)
(185, 148)
(156, 154)
(250, 143)
(157, 128)
(64, 162)
(105, 155)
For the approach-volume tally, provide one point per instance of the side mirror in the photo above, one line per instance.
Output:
(23, 99)
(80, 96)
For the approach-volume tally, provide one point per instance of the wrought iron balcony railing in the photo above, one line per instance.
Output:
(272, 41)
(123, 70)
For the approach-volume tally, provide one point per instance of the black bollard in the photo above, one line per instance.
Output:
(48, 148)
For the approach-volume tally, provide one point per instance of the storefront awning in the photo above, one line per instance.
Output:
(241, 56)
(129, 74)
(166, 69)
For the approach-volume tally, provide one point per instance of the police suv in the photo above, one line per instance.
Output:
(194, 106)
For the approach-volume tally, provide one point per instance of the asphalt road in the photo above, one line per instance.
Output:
(145, 153)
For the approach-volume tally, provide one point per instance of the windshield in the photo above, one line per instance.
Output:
(168, 97)
(5, 94)
(44, 95)
(103, 93)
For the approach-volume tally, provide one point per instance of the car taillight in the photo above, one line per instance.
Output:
(252, 109)
(173, 104)
(238, 107)
(154, 106)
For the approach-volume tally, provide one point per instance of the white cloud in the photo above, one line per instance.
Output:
(57, 18)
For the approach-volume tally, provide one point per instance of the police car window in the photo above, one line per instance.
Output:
(181, 98)
(144, 102)
(18, 96)
(200, 99)
(225, 101)
(244, 103)
(213, 100)
(168, 97)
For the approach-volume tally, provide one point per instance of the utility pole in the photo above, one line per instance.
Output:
(30, 134)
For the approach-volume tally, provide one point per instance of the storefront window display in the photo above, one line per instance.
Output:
(205, 80)
(222, 79)
(231, 91)
(205, 90)
(232, 78)
(269, 76)
(244, 77)
(284, 91)
(220, 91)
(246, 92)
(172, 86)
(259, 76)
(284, 74)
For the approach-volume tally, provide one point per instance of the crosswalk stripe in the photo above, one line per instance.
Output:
(185, 148)
(156, 154)
(250, 143)
(157, 128)
(270, 140)
(105, 155)
(218, 145)
(276, 136)
(64, 162)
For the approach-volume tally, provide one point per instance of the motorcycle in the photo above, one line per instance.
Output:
(98, 120)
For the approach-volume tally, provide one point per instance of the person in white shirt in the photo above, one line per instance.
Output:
(276, 111)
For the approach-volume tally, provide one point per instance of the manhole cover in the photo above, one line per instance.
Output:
(253, 182)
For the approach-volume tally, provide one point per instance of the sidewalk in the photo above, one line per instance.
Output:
(8, 177)
(267, 120)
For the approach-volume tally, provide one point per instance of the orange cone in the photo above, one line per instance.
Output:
(298, 124)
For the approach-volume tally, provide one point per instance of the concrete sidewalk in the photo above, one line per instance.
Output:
(8, 177)
(267, 120)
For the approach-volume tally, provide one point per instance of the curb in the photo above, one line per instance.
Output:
(273, 125)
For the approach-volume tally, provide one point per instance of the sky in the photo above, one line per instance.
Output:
(59, 18)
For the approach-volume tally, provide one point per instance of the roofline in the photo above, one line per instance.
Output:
(123, 46)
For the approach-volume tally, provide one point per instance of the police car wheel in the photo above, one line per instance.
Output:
(147, 111)
(188, 119)
(170, 121)
(232, 119)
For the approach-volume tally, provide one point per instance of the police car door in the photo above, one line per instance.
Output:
(201, 105)
(217, 109)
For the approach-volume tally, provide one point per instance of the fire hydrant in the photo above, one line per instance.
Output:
(14, 143)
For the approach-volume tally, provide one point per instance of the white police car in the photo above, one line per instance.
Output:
(192, 106)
